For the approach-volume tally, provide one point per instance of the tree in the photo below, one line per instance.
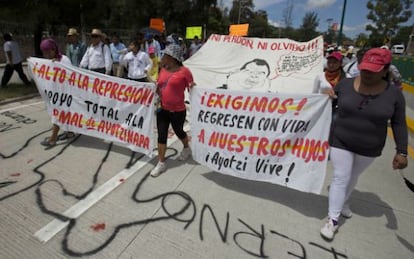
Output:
(361, 40)
(308, 28)
(242, 9)
(258, 24)
(386, 16)
(402, 36)
(287, 20)
(287, 14)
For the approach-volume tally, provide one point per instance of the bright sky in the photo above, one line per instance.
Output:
(354, 21)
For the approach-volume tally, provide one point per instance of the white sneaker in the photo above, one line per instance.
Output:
(346, 212)
(158, 169)
(329, 229)
(185, 154)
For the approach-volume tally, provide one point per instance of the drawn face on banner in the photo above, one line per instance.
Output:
(252, 76)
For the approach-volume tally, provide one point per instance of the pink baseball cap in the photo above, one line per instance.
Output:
(375, 60)
(151, 50)
(336, 55)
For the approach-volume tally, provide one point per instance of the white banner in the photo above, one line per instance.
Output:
(97, 105)
(257, 64)
(277, 138)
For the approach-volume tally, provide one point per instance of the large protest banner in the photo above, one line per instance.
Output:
(272, 137)
(97, 105)
(286, 66)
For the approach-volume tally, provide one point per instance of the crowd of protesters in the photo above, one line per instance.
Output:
(363, 84)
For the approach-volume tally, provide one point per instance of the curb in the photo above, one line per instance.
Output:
(20, 98)
(410, 121)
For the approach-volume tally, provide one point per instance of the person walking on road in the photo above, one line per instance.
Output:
(98, 55)
(51, 51)
(137, 62)
(173, 80)
(14, 61)
(75, 49)
(117, 49)
(365, 105)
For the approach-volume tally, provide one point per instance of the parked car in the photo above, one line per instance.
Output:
(398, 49)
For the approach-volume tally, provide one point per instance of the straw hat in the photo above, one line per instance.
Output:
(96, 32)
(72, 31)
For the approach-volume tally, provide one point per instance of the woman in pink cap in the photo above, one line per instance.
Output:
(51, 51)
(332, 75)
(365, 105)
(330, 78)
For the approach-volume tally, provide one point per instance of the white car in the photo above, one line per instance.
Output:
(398, 49)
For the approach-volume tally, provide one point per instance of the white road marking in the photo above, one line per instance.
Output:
(55, 226)
(51, 229)
(20, 106)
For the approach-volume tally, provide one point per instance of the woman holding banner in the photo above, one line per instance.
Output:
(365, 105)
(172, 82)
(332, 75)
(51, 51)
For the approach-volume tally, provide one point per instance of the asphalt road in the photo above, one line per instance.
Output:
(89, 198)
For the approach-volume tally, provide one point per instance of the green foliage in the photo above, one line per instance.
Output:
(386, 16)
(361, 40)
(402, 37)
(307, 30)
(129, 16)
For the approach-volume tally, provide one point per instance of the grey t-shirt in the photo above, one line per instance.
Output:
(362, 120)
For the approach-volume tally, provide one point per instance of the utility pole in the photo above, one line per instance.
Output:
(338, 43)
(240, 9)
(82, 22)
(410, 46)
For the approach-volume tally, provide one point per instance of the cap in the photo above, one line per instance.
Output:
(336, 55)
(174, 51)
(151, 50)
(72, 31)
(375, 59)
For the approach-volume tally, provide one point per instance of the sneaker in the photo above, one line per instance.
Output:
(158, 169)
(185, 154)
(346, 212)
(329, 229)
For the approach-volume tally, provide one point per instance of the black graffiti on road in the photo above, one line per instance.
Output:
(4, 126)
(42, 175)
(186, 214)
(12, 155)
(243, 232)
(65, 192)
(18, 118)
(6, 183)
(23, 146)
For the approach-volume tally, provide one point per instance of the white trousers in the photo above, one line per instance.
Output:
(347, 167)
